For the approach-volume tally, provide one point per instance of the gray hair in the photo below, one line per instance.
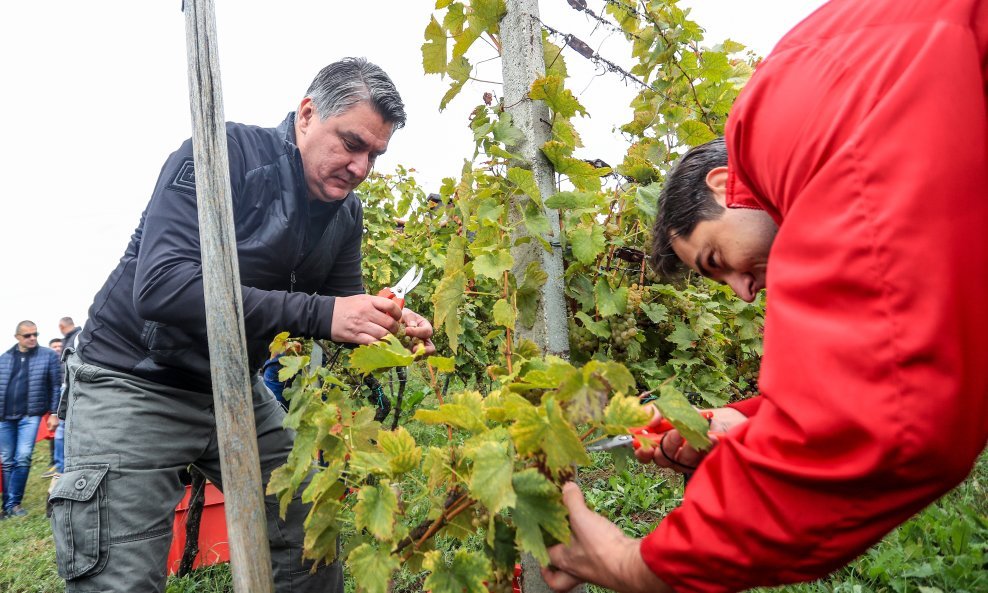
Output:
(343, 84)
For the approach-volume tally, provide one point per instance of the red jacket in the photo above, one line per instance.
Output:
(864, 135)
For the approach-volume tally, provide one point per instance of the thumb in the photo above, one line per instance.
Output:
(573, 499)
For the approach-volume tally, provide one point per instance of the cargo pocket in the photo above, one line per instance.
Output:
(79, 520)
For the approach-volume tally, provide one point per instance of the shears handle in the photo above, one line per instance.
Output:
(386, 293)
(653, 432)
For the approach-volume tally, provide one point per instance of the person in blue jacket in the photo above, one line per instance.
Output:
(30, 383)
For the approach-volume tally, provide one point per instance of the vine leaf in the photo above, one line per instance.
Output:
(402, 452)
(504, 314)
(624, 412)
(559, 99)
(434, 48)
(371, 568)
(545, 429)
(538, 506)
(527, 295)
(490, 482)
(677, 410)
(588, 242)
(278, 344)
(383, 354)
(683, 336)
(694, 133)
(375, 510)
(291, 366)
(525, 181)
(322, 528)
(465, 574)
(442, 364)
(601, 329)
(494, 264)
(610, 301)
(465, 411)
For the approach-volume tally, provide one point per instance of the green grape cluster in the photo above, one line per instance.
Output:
(624, 328)
(635, 295)
(407, 341)
(582, 339)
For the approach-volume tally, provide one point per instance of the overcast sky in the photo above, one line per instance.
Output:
(95, 96)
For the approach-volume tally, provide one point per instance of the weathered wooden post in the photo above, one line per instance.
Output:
(250, 556)
(522, 63)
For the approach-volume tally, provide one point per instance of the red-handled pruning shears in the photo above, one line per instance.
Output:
(397, 292)
(650, 433)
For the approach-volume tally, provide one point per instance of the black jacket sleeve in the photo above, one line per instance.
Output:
(168, 285)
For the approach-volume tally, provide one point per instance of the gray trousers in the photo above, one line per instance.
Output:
(126, 440)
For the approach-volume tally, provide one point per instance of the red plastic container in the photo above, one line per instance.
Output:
(213, 542)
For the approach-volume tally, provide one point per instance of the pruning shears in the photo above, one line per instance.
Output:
(652, 433)
(397, 292)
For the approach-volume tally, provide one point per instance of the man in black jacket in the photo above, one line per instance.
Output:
(139, 405)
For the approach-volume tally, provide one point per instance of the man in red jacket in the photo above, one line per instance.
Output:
(853, 185)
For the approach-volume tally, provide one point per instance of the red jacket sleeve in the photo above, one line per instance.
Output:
(865, 134)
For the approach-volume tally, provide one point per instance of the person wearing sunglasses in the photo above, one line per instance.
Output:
(30, 381)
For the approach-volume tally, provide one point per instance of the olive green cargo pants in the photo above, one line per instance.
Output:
(126, 440)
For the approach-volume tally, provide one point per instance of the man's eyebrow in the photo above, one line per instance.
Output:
(358, 142)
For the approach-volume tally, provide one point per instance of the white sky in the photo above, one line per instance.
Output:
(95, 96)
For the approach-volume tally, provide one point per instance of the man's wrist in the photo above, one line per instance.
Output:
(636, 575)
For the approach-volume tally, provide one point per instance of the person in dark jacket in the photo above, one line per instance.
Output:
(139, 403)
(30, 378)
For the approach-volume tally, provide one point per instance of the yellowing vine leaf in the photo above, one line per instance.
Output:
(434, 49)
(384, 354)
(490, 481)
(465, 411)
(624, 412)
(493, 264)
(375, 510)
(371, 568)
(504, 314)
(403, 453)
(559, 99)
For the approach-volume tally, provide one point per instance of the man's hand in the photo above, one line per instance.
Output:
(364, 319)
(52, 422)
(675, 452)
(418, 327)
(599, 553)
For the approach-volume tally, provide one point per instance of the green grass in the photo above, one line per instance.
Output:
(944, 549)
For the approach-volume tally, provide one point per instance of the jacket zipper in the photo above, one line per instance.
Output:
(291, 284)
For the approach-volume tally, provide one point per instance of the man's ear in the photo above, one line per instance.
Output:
(304, 114)
(717, 182)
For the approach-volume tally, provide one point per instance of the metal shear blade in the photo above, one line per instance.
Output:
(409, 281)
(624, 440)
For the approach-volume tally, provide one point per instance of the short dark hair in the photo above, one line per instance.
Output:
(53, 340)
(685, 201)
(25, 323)
(343, 84)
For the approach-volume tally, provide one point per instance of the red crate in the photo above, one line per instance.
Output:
(213, 542)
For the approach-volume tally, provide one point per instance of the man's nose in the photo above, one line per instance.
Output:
(743, 285)
(359, 166)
